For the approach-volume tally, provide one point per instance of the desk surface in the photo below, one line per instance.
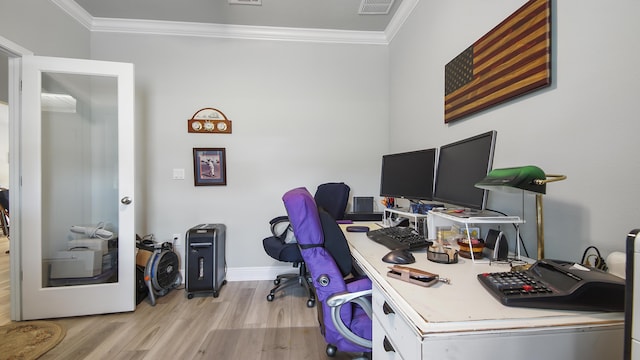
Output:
(464, 305)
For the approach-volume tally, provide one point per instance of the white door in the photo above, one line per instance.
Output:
(76, 166)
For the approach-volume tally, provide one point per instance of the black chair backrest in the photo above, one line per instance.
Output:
(4, 198)
(335, 243)
(333, 198)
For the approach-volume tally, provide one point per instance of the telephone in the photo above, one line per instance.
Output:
(496, 246)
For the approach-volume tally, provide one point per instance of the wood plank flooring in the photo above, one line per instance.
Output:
(239, 324)
(5, 301)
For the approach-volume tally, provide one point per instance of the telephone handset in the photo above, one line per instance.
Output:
(496, 246)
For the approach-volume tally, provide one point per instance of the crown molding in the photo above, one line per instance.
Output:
(176, 28)
(10, 48)
(75, 11)
(402, 14)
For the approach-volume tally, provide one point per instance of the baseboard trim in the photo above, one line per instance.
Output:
(258, 273)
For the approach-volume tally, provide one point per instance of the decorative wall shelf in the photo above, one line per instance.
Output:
(209, 121)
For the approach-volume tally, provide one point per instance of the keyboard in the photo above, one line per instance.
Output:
(399, 237)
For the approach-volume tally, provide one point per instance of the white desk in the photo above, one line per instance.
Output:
(463, 321)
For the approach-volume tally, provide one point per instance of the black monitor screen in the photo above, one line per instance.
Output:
(462, 164)
(408, 175)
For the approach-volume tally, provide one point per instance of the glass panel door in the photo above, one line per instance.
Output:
(77, 186)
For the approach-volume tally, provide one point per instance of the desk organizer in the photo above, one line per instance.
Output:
(476, 246)
(444, 256)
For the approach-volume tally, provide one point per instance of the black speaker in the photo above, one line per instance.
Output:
(362, 204)
(496, 246)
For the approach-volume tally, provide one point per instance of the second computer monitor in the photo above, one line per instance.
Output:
(460, 166)
(408, 175)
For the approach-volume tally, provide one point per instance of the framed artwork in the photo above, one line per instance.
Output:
(209, 166)
(511, 60)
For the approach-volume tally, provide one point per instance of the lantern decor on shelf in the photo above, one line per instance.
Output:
(209, 120)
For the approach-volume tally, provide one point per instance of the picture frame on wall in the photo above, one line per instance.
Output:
(209, 166)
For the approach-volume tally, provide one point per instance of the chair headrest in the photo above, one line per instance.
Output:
(333, 198)
(303, 215)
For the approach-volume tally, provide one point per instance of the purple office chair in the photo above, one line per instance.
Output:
(344, 306)
(331, 197)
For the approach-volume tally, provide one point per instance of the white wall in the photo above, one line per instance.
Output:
(40, 26)
(340, 97)
(584, 126)
(4, 145)
(303, 114)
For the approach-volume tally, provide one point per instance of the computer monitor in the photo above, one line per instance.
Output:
(408, 175)
(462, 164)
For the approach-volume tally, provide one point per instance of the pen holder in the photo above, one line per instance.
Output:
(448, 256)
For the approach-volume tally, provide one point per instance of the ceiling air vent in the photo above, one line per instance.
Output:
(245, 2)
(375, 7)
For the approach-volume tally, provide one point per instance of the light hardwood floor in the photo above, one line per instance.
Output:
(5, 315)
(239, 324)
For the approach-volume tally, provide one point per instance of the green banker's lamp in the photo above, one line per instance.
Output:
(525, 178)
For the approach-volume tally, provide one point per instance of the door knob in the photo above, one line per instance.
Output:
(126, 200)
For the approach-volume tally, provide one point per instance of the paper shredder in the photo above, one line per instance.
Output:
(205, 259)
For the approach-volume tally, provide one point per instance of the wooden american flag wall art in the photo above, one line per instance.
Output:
(512, 59)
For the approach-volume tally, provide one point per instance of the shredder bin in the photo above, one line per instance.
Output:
(205, 259)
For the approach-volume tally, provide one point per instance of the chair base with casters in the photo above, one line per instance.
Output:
(285, 281)
(273, 246)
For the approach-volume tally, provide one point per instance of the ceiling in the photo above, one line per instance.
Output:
(304, 14)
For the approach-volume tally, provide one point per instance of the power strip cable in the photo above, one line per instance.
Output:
(597, 259)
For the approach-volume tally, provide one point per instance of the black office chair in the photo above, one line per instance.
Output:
(4, 212)
(330, 197)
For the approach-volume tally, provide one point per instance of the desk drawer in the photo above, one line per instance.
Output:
(382, 347)
(401, 336)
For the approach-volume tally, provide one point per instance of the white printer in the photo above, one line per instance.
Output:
(85, 257)
(76, 263)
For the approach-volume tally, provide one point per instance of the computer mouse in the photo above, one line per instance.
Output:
(399, 256)
(401, 221)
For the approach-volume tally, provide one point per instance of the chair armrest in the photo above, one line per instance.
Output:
(336, 301)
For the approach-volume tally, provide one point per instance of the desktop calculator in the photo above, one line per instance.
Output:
(555, 284)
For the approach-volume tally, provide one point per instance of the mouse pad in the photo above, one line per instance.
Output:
(357, 228)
